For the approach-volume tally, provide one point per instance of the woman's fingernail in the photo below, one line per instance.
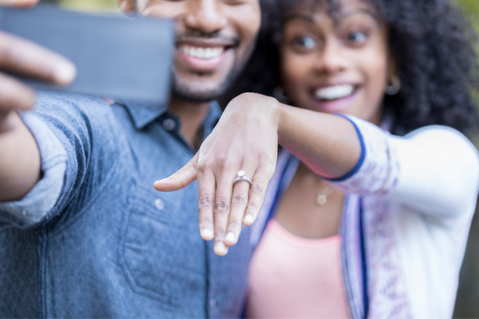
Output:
(207, 234)
(220, 248)
(248, 219)
(65, 73)
(230, 237)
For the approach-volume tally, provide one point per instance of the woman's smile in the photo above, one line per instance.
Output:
(334, 98)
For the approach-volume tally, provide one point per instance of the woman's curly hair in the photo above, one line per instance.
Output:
(432, 43)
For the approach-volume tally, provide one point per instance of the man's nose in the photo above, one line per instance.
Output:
(206, 16)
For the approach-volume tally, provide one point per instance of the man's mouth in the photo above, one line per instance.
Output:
(202, 53)
(205, 55)
(334, 92)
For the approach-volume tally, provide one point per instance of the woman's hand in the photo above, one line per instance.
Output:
(246, 138)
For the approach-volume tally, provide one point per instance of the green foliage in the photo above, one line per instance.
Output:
(471, 10)
(90, 4)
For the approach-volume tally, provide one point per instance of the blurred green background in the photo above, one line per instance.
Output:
(467, 304)
(95, 5)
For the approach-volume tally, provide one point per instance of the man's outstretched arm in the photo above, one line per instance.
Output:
(19, 155)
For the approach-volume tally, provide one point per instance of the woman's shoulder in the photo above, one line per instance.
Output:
(445, 139)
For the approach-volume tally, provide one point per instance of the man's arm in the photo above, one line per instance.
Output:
(19, 155)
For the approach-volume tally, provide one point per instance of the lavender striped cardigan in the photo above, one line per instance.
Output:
(406, 218)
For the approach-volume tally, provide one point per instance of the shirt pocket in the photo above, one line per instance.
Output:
(149, 247)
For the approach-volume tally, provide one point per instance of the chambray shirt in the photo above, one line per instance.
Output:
(94, 239)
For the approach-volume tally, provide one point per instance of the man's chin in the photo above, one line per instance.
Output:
(196, 94)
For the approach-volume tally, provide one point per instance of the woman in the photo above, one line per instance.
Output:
(356, 222)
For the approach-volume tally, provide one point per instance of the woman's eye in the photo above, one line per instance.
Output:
(305, 42)
(357, 37)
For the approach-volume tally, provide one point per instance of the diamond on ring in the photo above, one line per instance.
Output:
(241, 176)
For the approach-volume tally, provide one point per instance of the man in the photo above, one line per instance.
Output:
(82, 231)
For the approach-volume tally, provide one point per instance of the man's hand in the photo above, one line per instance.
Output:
(19, 155)
(26, 58)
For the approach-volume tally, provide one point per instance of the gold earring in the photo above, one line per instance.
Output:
(394, 87)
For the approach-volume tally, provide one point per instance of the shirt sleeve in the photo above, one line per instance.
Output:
(434, 169)
(42, 198)
(78, 141)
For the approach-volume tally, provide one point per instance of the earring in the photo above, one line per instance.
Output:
(394, 87)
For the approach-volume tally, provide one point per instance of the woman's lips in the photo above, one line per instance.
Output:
(334, 98)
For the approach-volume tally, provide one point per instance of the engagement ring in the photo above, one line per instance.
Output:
(241, 176)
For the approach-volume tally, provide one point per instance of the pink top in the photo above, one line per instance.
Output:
(294, 277)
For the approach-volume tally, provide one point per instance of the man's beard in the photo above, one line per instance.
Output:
(183, 90)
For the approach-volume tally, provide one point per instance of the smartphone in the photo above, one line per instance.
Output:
(119, 57)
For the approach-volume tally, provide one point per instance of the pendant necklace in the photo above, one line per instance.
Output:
(324, 194)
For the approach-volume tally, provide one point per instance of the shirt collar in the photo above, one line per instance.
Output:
(212, 117)
(143, 114)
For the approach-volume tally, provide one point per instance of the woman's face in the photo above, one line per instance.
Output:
(336, 65)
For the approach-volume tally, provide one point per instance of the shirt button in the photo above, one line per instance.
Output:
(160, 205)
(169, 124)
(212, 303)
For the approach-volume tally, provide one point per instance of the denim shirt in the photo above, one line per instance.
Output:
(94, 239)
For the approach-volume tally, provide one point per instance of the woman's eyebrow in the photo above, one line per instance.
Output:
(299, 16)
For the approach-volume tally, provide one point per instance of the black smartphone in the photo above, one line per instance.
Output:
(128, 58)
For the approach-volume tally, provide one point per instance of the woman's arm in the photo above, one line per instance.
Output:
(327, 143)
(246, 138)
(433, 171)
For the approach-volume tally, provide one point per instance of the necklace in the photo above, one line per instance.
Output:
(324, 194)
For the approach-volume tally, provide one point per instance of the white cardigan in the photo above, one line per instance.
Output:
(405, 221)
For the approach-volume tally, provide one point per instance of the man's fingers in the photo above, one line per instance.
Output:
(239, 200)
(206, 190)
(29, 59)
(257, 192)
(184, 177)
(14, 95)
(18, 3)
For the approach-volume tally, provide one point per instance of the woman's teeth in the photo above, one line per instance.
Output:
(334, 92)
(202, 53)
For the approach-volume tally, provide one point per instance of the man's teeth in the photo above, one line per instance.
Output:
(334, 92)
(202, 53)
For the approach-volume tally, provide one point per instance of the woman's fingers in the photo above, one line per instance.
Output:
(206, 190)
(239, 200)
(261, 178)
(27, 58)
(184, 177)
(221, 210)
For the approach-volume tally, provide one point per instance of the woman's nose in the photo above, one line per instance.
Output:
(205, 16)
(331, 58)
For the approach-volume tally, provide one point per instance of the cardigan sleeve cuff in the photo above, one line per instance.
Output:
(377, 169)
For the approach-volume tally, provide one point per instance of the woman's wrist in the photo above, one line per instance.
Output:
(281, 116)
